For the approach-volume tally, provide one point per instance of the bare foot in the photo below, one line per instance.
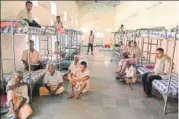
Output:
(144, 95)
(78, 96)
(71, 96)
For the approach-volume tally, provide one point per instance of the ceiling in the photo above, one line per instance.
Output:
(98, 3)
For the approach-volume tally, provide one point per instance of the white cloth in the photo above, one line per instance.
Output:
(53, 80)
(24, 14)
(131, 72)
(81, 74)
(91, 39)
(73, 67)
(21, 91)
(34, 57)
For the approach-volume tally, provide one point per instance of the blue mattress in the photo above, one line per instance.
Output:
(161, 85)
(35, 76)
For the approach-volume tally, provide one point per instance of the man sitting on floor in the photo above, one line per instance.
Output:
(161, 71)
(129, 76)
(17, 97)
(34, 58)
(79, 80)
(74, 65)
(53, 83)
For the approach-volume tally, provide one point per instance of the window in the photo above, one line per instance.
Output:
(35, 3)
(36, 19)
(72, 19)
(53, 8)
(65, 15)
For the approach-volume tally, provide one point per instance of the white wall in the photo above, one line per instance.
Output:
(98, 20)
(141, 14)
(10, 9)
(165, 14)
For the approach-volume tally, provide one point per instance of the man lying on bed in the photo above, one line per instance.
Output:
(34, 58)
(17, 97)
(53, 83)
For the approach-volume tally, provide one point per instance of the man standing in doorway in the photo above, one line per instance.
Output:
(90, 42)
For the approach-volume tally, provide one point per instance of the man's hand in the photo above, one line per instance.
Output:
(150, 74)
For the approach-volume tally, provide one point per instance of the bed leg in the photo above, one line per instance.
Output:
(165, 103)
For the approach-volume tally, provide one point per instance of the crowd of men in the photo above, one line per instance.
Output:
(129, 56)
(17, 90)
(78, 75)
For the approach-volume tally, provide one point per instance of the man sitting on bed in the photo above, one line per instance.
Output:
(34, 58)
(79, 80)
(160, 71)
(17, 97)
(53, 83)
(26, 15)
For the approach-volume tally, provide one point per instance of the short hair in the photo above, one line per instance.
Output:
(57, 16)
(31, 41)
(91, 31)
(19, 74)
(160, 49)
(83, 63)
(135, 42)
(29, 2)
(51, 65)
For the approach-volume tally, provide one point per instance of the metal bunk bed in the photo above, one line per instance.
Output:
(150, 33)
(165, 95)
(167, 87)
(72, 48)
(30, 77)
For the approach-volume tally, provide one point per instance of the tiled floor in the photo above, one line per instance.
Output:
(107, 99)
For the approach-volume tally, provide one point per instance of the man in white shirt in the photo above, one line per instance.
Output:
(79, 80)
(160, 71)
(26, 15)
(90, 42)
(73, 67)
(129, 76)
(53, 83)
(34, 58)
(17, 97)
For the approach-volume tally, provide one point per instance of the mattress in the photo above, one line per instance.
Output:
(143, 70)
(162, 85)
(35, 76)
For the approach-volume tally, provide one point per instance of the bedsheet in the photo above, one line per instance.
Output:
(35, 76)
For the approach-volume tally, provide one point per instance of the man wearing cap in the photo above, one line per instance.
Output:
(34, 58)
(53, 83)
(17, 97)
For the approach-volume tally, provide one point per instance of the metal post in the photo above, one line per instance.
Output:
(166, 96)
(51, 38)
(13, 47)
(1, 70)
(29, 63)
(148, 45)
